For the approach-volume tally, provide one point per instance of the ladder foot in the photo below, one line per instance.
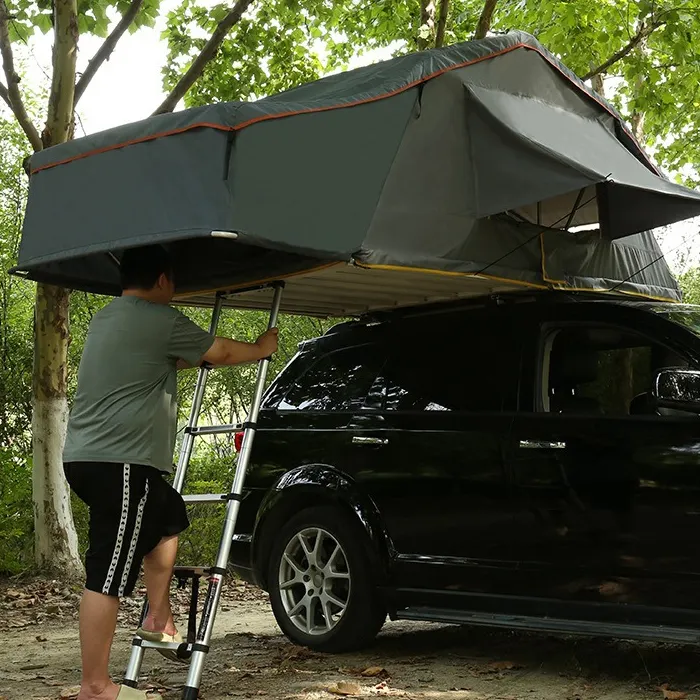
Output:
(189, 693)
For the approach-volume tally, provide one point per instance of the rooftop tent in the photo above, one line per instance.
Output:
(449, 173)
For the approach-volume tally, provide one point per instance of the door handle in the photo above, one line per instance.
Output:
(541, 445)
(365, 440)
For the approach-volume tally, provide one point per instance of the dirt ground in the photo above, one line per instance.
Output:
(39, 658)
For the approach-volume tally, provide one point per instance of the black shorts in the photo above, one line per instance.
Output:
(132, 507)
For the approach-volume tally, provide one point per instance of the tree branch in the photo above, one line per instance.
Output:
(105, 51)
(484, 24)
(642, 33)
(11, 93)
(5, 95)
(442, 23)
(205, 55)
(427, 24)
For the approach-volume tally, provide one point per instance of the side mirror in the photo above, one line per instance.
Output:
(678, 389)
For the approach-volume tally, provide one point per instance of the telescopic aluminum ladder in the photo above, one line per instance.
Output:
(195, 647)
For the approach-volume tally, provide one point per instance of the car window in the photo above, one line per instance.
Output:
(603, 370)
(474, 367)
(339, 381)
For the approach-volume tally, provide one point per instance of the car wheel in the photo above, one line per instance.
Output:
(322, 587)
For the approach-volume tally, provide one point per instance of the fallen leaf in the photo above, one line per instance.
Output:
(70, 692)
(503, 666)
(344, 688)
(672, 694)
(24, 602)
(374, 671)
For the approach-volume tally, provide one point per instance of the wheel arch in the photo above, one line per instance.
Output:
(315, 485)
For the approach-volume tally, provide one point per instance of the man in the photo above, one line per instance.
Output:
(119, 446)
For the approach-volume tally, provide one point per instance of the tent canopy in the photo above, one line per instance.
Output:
(447, 173)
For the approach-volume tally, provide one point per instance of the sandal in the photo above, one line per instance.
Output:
(128, 693)
(162, 637)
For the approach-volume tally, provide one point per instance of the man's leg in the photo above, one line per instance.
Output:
(98, 621)
(158, 571)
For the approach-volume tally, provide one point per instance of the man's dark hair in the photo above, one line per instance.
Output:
(140, 268)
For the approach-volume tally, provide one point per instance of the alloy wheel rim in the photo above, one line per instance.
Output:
(314, 581)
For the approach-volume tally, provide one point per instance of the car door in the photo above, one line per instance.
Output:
(432, 454)
(609, 490)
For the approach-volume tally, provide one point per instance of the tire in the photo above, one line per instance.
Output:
(332, 573)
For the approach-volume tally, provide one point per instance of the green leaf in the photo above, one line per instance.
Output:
(43, 23)
(83, 25)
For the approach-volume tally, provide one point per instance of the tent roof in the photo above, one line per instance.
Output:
(351, 88)
(462, 162)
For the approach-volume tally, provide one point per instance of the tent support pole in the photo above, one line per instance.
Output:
(577, 204)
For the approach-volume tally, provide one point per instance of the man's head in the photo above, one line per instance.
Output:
(148, 272)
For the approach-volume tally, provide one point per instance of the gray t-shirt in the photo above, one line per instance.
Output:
(125, 408)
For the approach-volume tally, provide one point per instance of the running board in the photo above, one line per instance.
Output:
(648, 633)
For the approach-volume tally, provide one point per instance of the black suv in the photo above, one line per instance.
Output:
(524, 462)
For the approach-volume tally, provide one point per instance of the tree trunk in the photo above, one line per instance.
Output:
(55, 539)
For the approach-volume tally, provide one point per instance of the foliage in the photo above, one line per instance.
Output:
(689, 281)
(16, 299)
(94, 17)
(644, 47)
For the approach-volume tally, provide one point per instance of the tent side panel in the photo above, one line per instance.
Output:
(290, 179)
(586, 261)
(160, 190)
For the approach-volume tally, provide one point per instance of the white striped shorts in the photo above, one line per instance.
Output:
(132, 507)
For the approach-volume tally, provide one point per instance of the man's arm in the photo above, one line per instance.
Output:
(225, 351)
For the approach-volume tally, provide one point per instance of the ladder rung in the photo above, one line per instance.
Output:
(163, 645)
(191, 571)
(205, 498)
(215, 429)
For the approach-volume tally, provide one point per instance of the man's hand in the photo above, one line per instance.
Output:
(268, 342)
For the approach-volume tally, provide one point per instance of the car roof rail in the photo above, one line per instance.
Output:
(438, 307)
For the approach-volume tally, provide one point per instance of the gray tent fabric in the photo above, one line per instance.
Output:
(470, 161)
